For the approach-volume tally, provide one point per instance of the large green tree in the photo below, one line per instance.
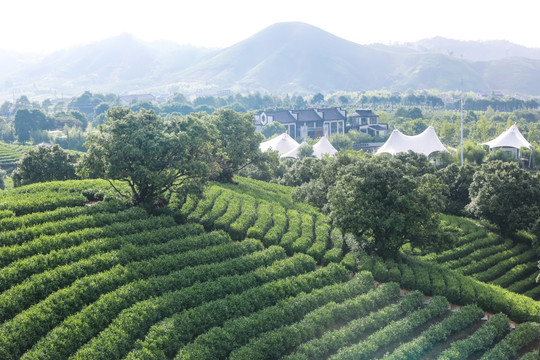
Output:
(27, 121)
(378, 202)
(505, 195)
(457, 180)
(238, 140)
(154, 156)
(44, 163)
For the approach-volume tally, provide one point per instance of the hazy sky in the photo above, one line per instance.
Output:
(49, 25)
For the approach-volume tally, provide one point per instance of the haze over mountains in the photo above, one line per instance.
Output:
(285, 57)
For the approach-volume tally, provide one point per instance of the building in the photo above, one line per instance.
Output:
(313, 123)
(366, 121)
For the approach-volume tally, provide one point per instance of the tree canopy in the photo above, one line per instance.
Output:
(274, 128)
(44, 163)
(380, 204)
(505, 195)
(238, 140)
(154, 156)
(378, 201)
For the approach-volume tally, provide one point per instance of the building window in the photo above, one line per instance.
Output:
(334, 127)
(291, 130)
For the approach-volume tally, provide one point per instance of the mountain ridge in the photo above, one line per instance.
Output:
(289, 57)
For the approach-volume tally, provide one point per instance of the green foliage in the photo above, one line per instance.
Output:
(314, 307)
(437, 333)
(152, 155)
(239, 142)
(509, 347)
(473, 153)
(43, 164)
(457, 179)
(165, 338)
(26, 121)
(302, 171)
(274, 128)
(377, 201)
(393, 332)
(332, 341)
(69, 336)
(505, 195)
(305, 151)
(495, 328)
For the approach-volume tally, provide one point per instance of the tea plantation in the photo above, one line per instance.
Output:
(245, 273)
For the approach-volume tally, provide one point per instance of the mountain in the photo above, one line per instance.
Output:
(285, 57)
(475, 50)
(290, 56)
(297, 57)
(119, 64)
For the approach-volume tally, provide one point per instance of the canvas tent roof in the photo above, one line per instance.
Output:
(425, 143)
(509, 138)
(282, 143)
(323, 146)
(294, 152)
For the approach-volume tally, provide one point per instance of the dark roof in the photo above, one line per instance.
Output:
(378, 127)
(364, 113)
(332, 114)
(283, 116)
(287, 116)
(307, 115)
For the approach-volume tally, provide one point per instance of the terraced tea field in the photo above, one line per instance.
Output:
(10, 154)
(243, 273)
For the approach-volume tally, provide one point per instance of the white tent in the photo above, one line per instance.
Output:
(282, 143)
(511, 138)
(294, 152)
(425, 143)
(323, 146)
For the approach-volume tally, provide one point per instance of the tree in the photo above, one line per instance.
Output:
(43, 164)
(344, 100)
(23, 125)
(102, 108)
(305, 151)
(239, 142)
(383, 207)
(274, 128)
(457, 180)
(302, 171)
(317, 98)
(505, 195)
(5, 109)
(472, 153)
(2, 178)
(85, 103)
(415, 164)
(153, 156)
(299, 103)
(46, 104)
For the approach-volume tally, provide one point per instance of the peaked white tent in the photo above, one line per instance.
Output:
(323, 146)
(294, 152)
(282, 143)
(510, 138)
(425, 143)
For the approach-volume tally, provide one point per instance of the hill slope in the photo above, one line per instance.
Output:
(108, 281)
